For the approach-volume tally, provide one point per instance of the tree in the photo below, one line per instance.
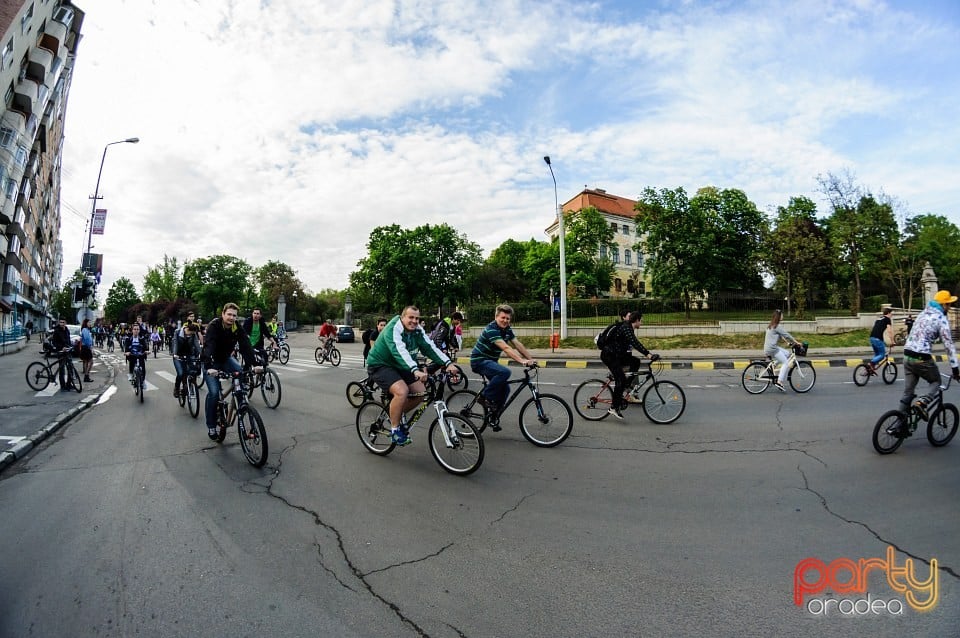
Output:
(738, 231)
(61, 304)
(276, 278)
(121, 297)
(163, 282)
(797, 251)
(214, 281)
(589, 239)
(931, 238)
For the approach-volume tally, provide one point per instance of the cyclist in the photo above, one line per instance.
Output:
(186, 346)
(370, 335)
(136, 346)
(155, 340)
(497, 338)
(327, 334)
(771, 349)
(443, 333)
(392, 363)
(931, 324)
(881, 334)
(616, 354)
(62, 342)
(258, 329)
(223, 334)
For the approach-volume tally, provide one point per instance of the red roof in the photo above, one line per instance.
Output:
(603, 202)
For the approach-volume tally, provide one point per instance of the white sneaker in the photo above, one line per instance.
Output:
(615, 413)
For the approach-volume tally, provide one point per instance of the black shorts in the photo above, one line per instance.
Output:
(385, 376)
(86, 354)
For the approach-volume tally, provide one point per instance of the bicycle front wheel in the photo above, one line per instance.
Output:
(74, 378)
(373, 428)
(38, 376)
(284, 354)
(802, 376)
(182, 392)
(755, 378)
(942, 425)
(464, 453)
(885, 441)
(462, 382)
(335, 357)
(861, 374)
(593, 399)
(664, 402)
(193, 396)
(546, 421)
(253, 436)
(889, 372)
(464, 403)
(270, 389)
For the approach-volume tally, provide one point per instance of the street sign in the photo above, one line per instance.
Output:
(99, 221)
(92, 263)
(556, 304)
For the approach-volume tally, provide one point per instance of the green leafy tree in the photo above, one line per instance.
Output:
(589, 239)
(121, 297)
(737, 228)
(163, 282)
(378, 274)
(934, 239)
(275, 278)
(61, 304)
(214, 281)
(797, 251)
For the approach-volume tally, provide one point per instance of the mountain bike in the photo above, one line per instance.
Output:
(40, 374)
(280, 351)
(895, 426)
(545, 419)
(236, 410)
(359, 392)
(267, 380)
(327, 352)
(454, 442)
(887, 370)
(760, 374)
(662, 402)
(189, 390)
(139, 378)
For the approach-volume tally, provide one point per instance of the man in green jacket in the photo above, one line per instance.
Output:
(392, 363)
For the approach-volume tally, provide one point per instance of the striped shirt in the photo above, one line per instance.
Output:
(486, 348)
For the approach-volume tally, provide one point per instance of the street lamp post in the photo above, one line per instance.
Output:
(563, 255)
(96, 196)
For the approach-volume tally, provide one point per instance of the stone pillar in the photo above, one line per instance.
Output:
(281, 310)
(348, 311)
(929, 282)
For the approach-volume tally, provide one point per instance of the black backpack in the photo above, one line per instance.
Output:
(603, 339)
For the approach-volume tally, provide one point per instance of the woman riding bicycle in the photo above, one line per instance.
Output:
(771, 349)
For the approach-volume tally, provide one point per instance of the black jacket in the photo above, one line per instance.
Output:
(622, 339)
(264, 330)
(218, 343)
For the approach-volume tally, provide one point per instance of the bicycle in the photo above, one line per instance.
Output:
(888, 370)
(545, 419)
(156, 347)
(760, 374)
(237, 410)
(662, 402)
(359, 392)
(40, 374)
(189, 392)
(110, 342)
(436, 370)
(454, 441)
(327, 352)
(280, 351)
(139, 378)
(267, 380)
(894, 426)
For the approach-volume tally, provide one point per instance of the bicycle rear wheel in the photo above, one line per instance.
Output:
(253, 436)
(140, 383)
(802, 377)
(464, 403)
(664, 402)
(464, 454)
(193, 396)
(942, 425)
(885, 442)
(335, 357)
(593, 398)
(270, 389)
(38, 376)
(318, 355)
(284, 355)
(889, 372)
(755, 378)
(373, 428)
(861, 374)
(547, 424)
(357, 393)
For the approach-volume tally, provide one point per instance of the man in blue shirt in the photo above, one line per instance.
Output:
(497, 339)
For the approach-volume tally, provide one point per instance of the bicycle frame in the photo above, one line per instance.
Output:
(525, 382)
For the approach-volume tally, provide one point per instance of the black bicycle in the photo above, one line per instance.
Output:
(267, 380)
(886, 370)
(236, 410)
(40, 374)
(327, 352)
(545, 419)
(189, 391)
(895, 426)
(139, 381)
(359, 392)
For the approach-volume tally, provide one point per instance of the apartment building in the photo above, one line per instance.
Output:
(628, 279)
(37, 53)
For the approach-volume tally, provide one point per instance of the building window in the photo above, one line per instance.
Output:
(615, 255)
(626, 229)
(22, 155)
(10, 189)
(626, 257)
(631, 286)
(618, 285)
(7, 137)
(25, 20)
(642, 287)
(603, 251)
(6, 58)
(613, 227)
(639, 259)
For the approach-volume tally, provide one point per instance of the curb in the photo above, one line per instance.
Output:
(690, 364)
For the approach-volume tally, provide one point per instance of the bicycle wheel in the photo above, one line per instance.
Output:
(140, 383)
(802, 376)
(755, 378)
(942, 425)
(889, 372)
(373, 428)
(182, 392)
(270, 389)
(284, 355)
(73, 378)
(335, 357)
(464, 454)
(883, 441)
(193, 396)
(227, 417)
(593, 398)
(253, 436)
(464, 403)
(548, 424)
(318, 355)
(900, 338)
(861, 374)
(664, 402)
(38, 376)
(357, 393)
(462, 383)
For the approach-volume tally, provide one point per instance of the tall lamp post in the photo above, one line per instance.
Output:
(563, 255)
(96, 196)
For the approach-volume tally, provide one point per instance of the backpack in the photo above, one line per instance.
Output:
(603, 339)
(365, 337)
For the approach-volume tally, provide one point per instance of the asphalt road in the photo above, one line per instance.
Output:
(129, 521)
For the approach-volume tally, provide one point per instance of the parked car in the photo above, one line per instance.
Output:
(345, 334)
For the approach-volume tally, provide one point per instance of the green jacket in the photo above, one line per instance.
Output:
(398, 348)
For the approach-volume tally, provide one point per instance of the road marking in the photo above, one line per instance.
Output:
(109, 392)
(49, 391)
(12, 440)
(169, 376)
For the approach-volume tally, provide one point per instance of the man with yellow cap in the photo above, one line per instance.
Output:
(931, 324)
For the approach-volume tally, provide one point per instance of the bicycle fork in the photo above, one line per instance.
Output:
(450, 436)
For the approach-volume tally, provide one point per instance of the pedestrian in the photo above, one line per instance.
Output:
(29, 328)
(86, 349)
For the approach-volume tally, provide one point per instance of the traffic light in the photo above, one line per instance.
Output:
(87, 287)
(77, 294)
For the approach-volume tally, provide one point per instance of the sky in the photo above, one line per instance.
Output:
(288, 129)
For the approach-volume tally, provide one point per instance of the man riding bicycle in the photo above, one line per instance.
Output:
(615, 354)
(136, 346)
(392, 363)
(931, 324)
(186, 346)
(497, 338)
(328, 334)
(223, 334)
(258, 329)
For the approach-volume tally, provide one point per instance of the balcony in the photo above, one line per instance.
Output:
(25, 96)
(7, 211)
(39, 64)
(13, 252)
(54, 37)
(15, 227)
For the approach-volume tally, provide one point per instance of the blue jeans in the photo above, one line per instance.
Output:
(213, 390)
(497, 377)
(879, 350)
